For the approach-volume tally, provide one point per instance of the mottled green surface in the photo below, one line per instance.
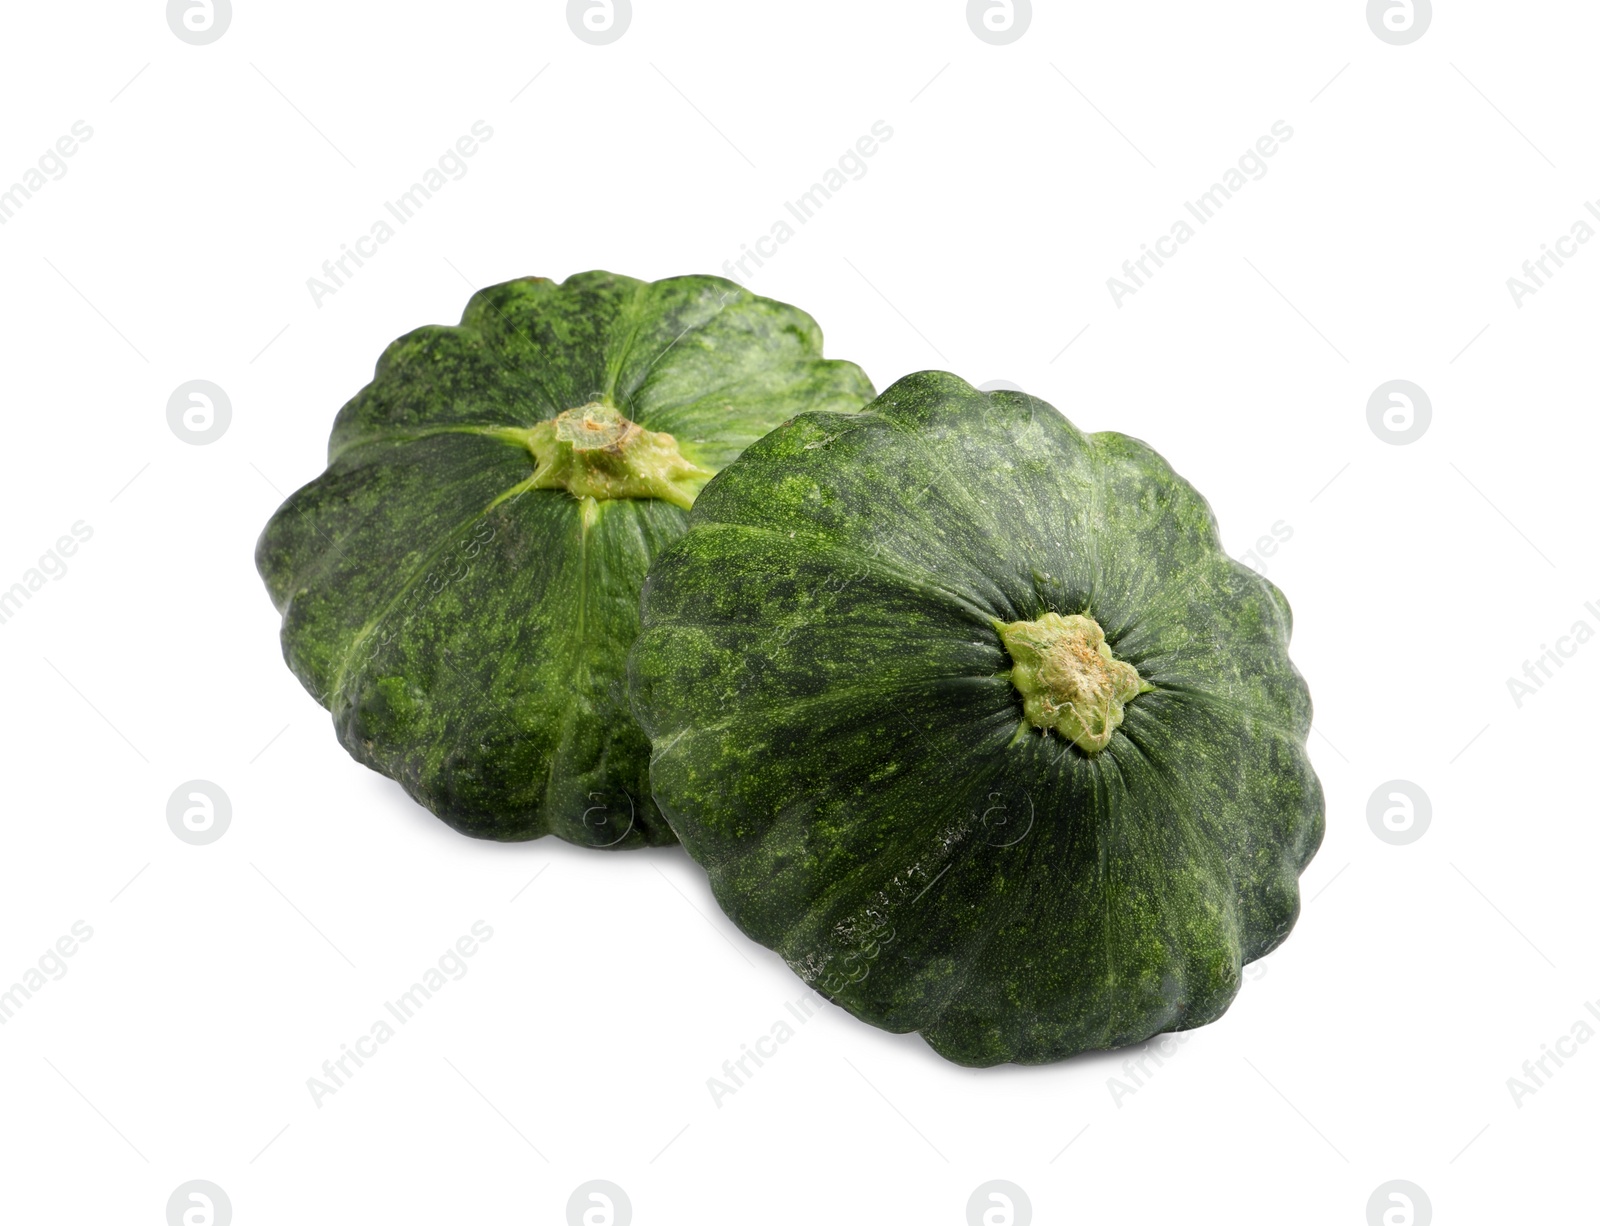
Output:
(838, 743)
(469, 631)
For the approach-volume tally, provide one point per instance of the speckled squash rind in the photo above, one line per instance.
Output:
(838, 742)
(469, 631)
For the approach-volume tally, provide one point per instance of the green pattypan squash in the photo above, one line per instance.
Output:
(968, 715)
(460, 588)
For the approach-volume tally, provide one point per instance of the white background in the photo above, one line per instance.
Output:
(1375, 1045)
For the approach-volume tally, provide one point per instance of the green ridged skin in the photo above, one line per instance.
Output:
(839, 743)
(469, 630)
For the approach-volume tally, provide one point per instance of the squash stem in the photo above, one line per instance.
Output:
(1069, 679)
